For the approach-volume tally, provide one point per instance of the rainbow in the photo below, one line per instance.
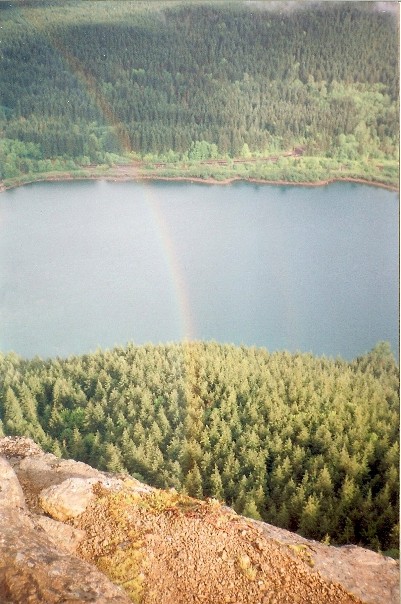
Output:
(187, 328)
(89, 84)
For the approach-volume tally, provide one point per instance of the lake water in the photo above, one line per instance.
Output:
(94, 264)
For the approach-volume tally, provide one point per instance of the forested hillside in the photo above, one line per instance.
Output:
(85, 82)
(306, 443)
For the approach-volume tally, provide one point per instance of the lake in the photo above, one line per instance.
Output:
(93, 264)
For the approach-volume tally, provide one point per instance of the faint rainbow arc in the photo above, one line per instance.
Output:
(91, 88)
(188, 329)
(87, 80)
(175, 269)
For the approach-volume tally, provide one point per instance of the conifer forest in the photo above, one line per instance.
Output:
(307, 443)
(86, 83)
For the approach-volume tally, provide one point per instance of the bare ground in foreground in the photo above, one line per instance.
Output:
(162, 547)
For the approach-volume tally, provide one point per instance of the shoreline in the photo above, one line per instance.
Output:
(196, 179)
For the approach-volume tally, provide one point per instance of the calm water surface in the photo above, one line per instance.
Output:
(90, 264)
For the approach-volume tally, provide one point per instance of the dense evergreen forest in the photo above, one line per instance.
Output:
(84, 82)
(309, 444)
(306, 443)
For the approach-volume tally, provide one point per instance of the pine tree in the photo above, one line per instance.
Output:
(193, 483)
(13, 419)
(250, 509)
(309, 521)
(112, 459)
(216, 485)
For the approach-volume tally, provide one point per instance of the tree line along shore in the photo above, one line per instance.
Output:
(312, 172)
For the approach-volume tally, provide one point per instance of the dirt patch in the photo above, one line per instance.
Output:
(170, 549)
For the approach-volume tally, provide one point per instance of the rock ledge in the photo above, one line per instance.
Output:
(70, 533)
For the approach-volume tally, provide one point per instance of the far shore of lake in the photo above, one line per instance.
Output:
(118, 177)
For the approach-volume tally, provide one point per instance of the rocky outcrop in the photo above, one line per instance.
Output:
(71, 497)
(36, 564)
(69, 533)
(32, 567)
(11, 494)
(373, 577)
